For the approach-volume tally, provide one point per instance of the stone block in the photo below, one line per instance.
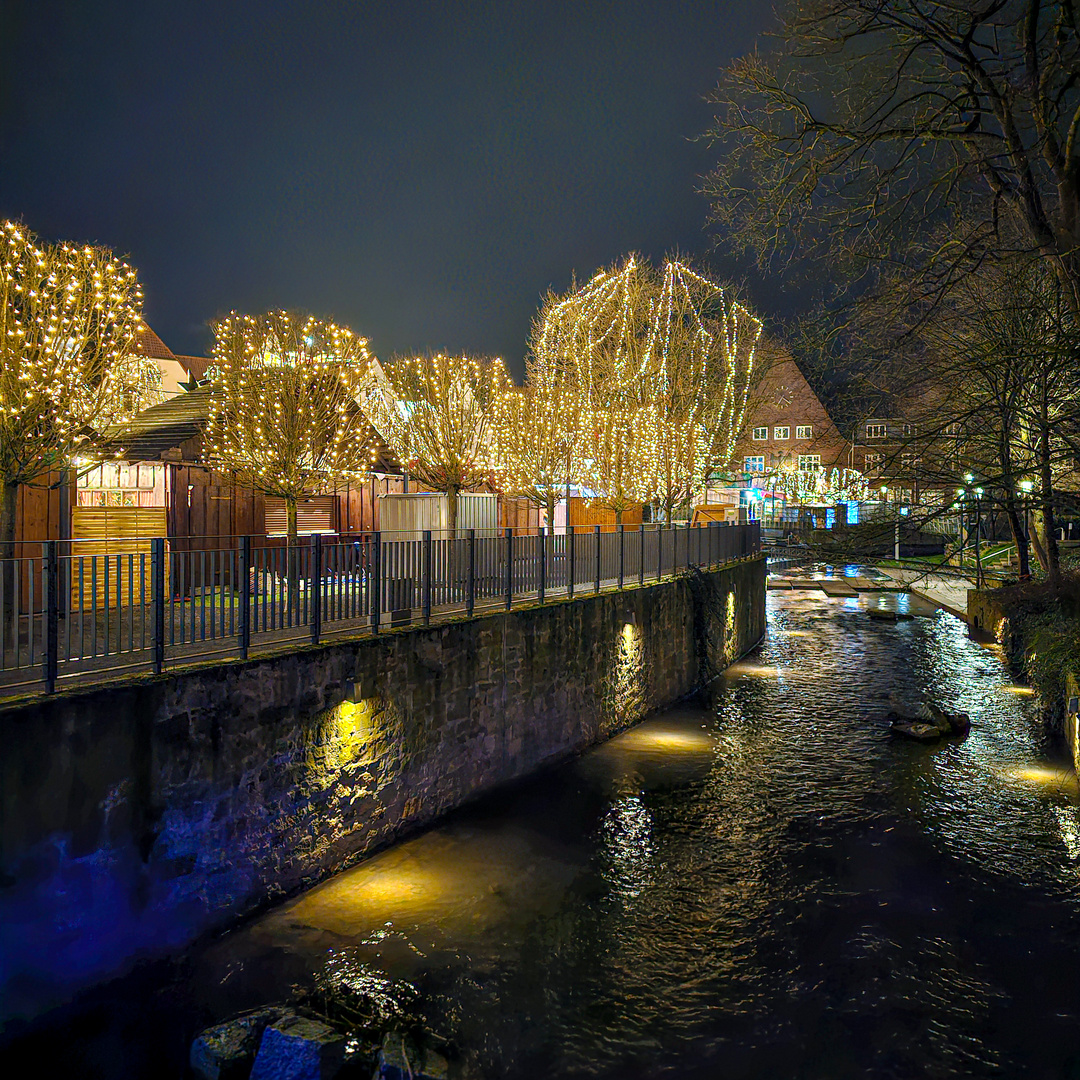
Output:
(401, 1059)
(227, 1051)
(296, 1048)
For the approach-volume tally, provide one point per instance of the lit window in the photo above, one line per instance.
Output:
(875, 431)
(909, 461)
(809, 462)
(804, 431)
(910, 430)
(781, 433)
(754, 464)
(760, 433)
(873, 461)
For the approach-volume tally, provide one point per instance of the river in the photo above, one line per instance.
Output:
(764, 882)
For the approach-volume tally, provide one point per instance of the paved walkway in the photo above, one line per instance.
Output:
(949, 593)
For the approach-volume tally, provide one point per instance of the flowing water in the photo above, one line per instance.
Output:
(764, 883)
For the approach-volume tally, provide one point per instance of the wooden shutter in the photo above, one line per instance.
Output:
(315, 514)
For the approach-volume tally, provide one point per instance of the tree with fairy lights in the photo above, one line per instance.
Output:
(436, 413)
(69, 317)
(533, 438)
(284, 412)
(668, 348)
(611, 456)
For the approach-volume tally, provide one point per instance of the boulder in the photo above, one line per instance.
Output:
(916, 729)
(227, 1051)
(929, 723)
(402, 1059)
(296, 1048)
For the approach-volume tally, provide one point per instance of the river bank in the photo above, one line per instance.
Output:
(764, 882)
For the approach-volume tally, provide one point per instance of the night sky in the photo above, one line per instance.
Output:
(422, 172)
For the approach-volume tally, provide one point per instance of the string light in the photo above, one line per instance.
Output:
(655, 368)
(284, 412)
(436, 413)
(69, 366)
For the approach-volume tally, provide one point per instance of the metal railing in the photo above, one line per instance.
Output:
(82, 618)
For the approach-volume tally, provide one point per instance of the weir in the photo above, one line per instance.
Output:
(140, 816)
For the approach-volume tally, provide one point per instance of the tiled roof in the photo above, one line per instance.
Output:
(149, 344)
(195, 365)
(161, 427)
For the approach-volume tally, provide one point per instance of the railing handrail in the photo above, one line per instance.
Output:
(79, 613)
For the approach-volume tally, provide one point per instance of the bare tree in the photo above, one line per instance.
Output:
(874, 122)
(436, 412)
(283, 406)
(69, 317)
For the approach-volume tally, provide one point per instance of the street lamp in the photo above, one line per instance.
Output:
(978, 530)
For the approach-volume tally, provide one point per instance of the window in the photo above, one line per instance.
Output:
(781, 433)
(951, 431)
(808, 462)
(754, 464)
(909, 461)
(873, 461)
(910, 430)
(875, 431)
(760, 433)
(804, 431)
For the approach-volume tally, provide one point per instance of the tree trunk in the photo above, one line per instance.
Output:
(618, 517)
(292, 558)
(1036, 543)
(1053, 564)
(451, 509)
(9, 501)
(1016, 526)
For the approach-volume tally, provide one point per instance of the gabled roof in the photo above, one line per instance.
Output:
(195, 366)
(161, 427)
(149, 344)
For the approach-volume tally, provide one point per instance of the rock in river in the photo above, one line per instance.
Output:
(226, 1051)
(296, 1048)
(929, 724)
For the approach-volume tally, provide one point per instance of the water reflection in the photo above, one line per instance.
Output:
(767, 883)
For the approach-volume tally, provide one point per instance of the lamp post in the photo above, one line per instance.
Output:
(978, 531)
(960, 504)
(1026, 488)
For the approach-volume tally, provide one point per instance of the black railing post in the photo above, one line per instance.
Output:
(244, 627)
(659, 553)
(315, 588)
(542, 574)
(375, 585)
(52, 614)
(157, 576)
(641, 561)
(509, 568)
(622, 554)
(570, 561)
(598, 542)
(427, 577)
(470, 581)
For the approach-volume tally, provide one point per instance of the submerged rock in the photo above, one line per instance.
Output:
(402, 1059)
(296, 1048)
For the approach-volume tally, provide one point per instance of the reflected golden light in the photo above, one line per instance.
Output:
(1045, 776)
(660, 739)
(756, 671)
(1023, 691)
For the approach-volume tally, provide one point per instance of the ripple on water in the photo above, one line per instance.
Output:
(765, 884)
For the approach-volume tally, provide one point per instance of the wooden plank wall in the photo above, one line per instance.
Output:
(585, 517)
(520, 515)
(105, 532)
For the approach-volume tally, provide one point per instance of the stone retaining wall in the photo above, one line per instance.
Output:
(136, 817)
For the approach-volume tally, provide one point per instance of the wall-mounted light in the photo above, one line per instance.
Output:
(357, 689)
(630, 617)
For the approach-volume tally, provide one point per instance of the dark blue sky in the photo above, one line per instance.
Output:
(423, 172)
